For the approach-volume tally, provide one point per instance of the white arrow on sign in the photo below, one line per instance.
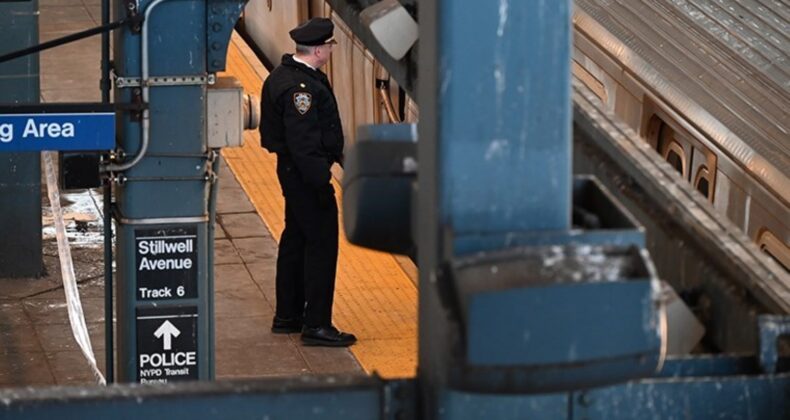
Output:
(167, 331)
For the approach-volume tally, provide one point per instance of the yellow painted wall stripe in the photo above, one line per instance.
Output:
(374, 297)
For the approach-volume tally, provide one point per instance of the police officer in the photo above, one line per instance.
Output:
(302, 126)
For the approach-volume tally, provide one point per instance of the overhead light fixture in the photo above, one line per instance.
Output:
(392, 26)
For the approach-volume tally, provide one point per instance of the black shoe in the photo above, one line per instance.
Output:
(286, 325)
(327, 336)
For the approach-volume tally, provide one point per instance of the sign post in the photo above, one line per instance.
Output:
(166, 174)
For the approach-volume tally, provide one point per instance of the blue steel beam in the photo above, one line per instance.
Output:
(328, 397)
(504, 120)
(20, 173)
(495, 159)
(733, 397)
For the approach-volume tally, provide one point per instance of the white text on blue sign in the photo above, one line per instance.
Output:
(33, 132)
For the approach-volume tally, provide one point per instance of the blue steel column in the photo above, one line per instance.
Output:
(494, 150)
(20, 173)
(169, 182)
(504, 116)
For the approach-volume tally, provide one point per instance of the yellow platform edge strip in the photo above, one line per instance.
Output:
(374, 298)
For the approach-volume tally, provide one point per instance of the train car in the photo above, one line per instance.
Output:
(706, 85)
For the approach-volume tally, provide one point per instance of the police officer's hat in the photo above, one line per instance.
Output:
(316, 31)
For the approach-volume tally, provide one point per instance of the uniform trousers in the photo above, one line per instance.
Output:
(307, 255)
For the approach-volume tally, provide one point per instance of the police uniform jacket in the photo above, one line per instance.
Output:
(300, 122)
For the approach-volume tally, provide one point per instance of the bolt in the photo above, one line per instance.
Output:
(216, 63)
(585, 399)
(217, 27)
(215, 46)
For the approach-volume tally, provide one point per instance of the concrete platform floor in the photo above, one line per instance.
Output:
(38, 347)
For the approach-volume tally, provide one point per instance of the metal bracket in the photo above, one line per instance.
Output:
(132, 12)
(137, 102)
(127, 82)
(221, 17)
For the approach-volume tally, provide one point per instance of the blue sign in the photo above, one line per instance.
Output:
(74, 131)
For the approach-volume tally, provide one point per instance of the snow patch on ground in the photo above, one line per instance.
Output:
(82, 216)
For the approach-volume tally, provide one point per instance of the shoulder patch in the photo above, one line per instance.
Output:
(303, 101)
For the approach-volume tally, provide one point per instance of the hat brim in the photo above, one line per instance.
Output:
(330, 41)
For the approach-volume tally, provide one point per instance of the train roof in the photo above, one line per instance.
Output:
(723, 64)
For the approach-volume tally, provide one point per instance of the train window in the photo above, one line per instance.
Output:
(702, 181)
(671, 150)
(703, 186)
(775, 248)
(674, 159)
(682, 150)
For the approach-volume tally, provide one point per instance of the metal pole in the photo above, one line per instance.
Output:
(212, 212)
(163, 298)
(109, 330)
(20, 173)
(495, 99)
(64, 40)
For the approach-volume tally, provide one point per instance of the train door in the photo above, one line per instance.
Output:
(351, 72)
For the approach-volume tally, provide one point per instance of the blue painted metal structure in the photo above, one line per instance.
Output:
(494, 188)
(167, 193)
(505, 121)
(519, 329)
(20, 173)
(363, 398)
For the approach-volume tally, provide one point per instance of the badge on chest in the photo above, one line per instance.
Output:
(303, 101)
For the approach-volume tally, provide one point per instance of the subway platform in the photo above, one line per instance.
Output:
(375, 296)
